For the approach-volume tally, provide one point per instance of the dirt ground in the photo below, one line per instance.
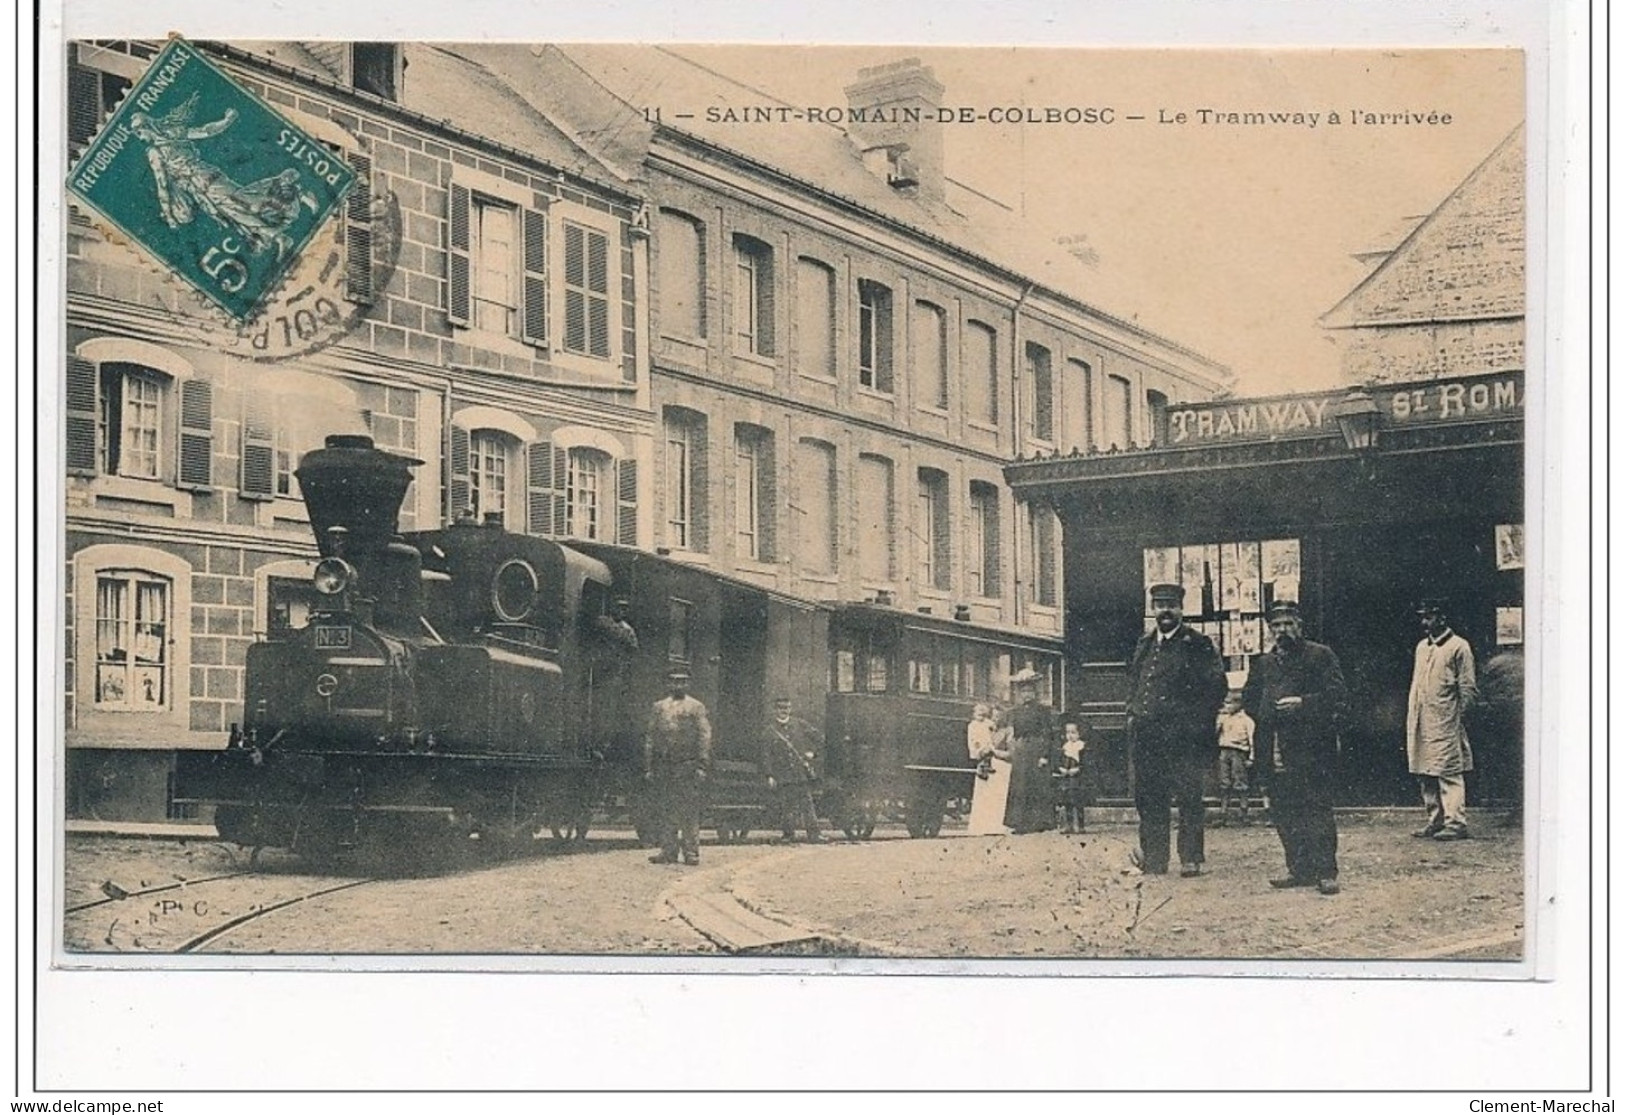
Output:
(1042, 895)
(1049, 895)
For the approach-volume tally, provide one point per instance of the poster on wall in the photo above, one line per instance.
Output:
(1509, 627)
(1509, 546)
(1161, 568)
(1249, 593)
(1282, 566)
(1192, 572)
(1229, 577)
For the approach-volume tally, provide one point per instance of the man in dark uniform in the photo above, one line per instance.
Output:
(1296, 695)
(1176, 684)
(677, 764)
(789, 754)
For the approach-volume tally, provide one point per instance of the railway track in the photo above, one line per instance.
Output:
(187, 916)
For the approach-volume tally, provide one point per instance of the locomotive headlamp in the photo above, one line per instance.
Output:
(333, 575)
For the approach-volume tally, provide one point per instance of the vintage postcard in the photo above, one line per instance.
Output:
(541, 504)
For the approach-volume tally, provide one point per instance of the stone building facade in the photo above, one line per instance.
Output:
(478, 307)
(842, 361)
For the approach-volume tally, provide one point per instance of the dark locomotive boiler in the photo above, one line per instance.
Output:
(427, 696)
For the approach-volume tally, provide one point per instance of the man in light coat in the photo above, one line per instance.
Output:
(1443, 688)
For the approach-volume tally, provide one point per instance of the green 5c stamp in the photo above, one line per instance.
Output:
(212, 181)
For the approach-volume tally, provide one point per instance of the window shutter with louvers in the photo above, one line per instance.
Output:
(79, 443)
(457, 480)
(598, 300)
(358, 231)
(459, 293)
(561, 505)
(575, 298)
(195, 467)
(699, 496)
(544, 488)
(535, 294)
(84, 104)
(626, 507)
(995, 574)
(258, 479)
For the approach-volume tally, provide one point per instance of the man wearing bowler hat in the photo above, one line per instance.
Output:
(1176, 684)
(1296, 695)
(1444, 686)
(676, 765)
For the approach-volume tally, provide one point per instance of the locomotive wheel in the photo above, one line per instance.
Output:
(924, 819)
(860, 821)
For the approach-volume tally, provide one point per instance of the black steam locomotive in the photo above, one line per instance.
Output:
(470, 684)
(426, 696)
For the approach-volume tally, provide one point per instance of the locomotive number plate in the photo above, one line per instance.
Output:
(332, 638)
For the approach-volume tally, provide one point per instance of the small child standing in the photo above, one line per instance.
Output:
(1235, 753)
(1068, 774)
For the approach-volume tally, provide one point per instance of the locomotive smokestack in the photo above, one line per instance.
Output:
(353, 485)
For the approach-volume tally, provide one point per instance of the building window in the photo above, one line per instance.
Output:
(1084, 434)
(132, 640)
(287, 484)
(1119, 432)
(488, 471)
(931, 354)
(982, 372)
(1043, 548)
(876, 536)
(815, 318)
(874, 336)
(679, 641)
(1043, 392)
(1156, 418)
(289, 601)
(586, 290)
(753, 295)
(982, 541)
(680, 242)
(686, 479)
(92, 97)
(375, 68)
(931, 528)
(815, 472)
(496, 297)
(131, 426)
(754, 502)
(585, 482)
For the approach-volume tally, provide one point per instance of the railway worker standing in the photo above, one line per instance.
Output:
(1443, 687)
(1176, 684)
(677, 764)
(1031, 807)
(789, 754)
(1296, 696)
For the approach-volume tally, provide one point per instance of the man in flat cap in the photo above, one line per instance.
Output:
(1444, 686)
(676, 765)
(1296, 696)
(1176, 684)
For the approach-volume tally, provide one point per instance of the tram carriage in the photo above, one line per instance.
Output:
(902, 689)
(474, 683)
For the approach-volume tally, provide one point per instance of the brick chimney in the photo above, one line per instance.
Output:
(892, 117)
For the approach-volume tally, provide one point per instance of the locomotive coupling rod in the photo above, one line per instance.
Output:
(939, 770)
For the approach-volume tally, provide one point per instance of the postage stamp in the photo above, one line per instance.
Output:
(210, 180)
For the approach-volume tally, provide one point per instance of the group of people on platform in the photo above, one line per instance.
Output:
(1183, 717)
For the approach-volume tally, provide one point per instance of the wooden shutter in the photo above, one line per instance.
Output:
(1044, 542)
(459, 292)
(575, 280)
(358, 231)
(941, 533)
(195, 466)
(457, 480)
(598, 298)
(84, 104)
(258, 451)
(767, 497)
(535, 288)
(626, 503)
(699, 487)
(79, 442)
(992, 558)
(545, 479)
(767, 313)
(561, 505)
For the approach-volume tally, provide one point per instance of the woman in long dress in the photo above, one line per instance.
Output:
(988, 747)
(1031, 807)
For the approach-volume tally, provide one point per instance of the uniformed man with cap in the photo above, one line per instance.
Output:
(1176, 684)
(790, 749)
(1296, 696)
(676, 765)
